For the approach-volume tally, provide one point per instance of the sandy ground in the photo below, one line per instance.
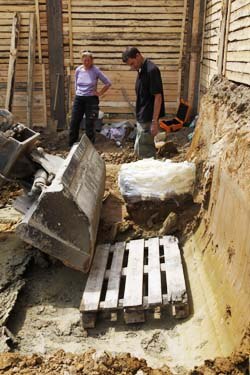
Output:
(45, 317)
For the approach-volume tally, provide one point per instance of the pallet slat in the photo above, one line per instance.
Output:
(174, 272)
(112, 295)
(132, 295)
(92, 292)
(154, 272)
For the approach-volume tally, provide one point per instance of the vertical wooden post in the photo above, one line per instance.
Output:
(181, 50)
(12, 61)
(71, 57)
(45, 119)
(40, 59)
(56, 61)
(226, 37)
(188, 49)
(31, 63)
(194, 72)
(220, 54)
(202, 52)
(69, 99)
(38, 32)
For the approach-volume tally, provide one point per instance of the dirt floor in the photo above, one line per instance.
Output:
(44, 334)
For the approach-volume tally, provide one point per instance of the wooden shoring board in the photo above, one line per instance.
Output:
(143, 275)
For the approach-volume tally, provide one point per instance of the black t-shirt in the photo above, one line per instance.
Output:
(148, 84)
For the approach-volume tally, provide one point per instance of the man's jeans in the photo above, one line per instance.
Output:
(144, 143)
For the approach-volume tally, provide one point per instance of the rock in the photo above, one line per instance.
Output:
(161, 137)
(151, 220)
(169, 225)
(124, 226)
(167, 149)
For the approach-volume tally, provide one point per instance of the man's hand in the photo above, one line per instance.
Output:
(154, 128)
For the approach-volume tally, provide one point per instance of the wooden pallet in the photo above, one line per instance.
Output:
(133, 278)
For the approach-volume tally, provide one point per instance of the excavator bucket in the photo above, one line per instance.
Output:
(63, 197)
(63, 221)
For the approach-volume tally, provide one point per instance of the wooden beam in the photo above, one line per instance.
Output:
(202, 53)
(45, 119)
(31, 63)
(71, 57)
(12, 60)
(38, 32)
(56, 61)
(188, 50)
(194, 72)
(222, 33)
(181, 49)
(226, 37)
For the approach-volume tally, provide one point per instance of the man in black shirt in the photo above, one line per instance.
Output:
(149, 101)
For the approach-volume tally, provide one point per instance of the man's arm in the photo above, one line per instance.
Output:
(156, 113)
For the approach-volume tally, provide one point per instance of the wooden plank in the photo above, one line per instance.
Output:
(242, 45)
(16, 8)
(128, 3)
(222, 32)
(56, 61)
(238, 77)
(239, 24)
(132, 316)
(120, 9)
(126, 23)
(89, 319)
(240, 56)
(239, 34)
(154, 272)
(177, 15)
(38, 31)
(132, 29)
(188, 39)
(176, 288)
(112, 295)
(132, 295)
(70, 35)
(45, 119)
(31, 62)
(12, 60)
(184, 15)
(238, 67)
(92, 292)
(243, 12)
(238, 4)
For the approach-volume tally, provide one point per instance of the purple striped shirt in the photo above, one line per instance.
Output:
(86, 80)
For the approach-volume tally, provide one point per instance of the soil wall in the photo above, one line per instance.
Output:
(221, 150)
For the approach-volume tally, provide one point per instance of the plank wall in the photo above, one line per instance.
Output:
(226, 41)
(237, 65)
(107, 27)
(211, 39)
(19, 107)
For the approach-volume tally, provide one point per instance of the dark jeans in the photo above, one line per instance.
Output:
(88, 105)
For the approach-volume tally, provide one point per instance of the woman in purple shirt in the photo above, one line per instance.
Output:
(87, 97)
